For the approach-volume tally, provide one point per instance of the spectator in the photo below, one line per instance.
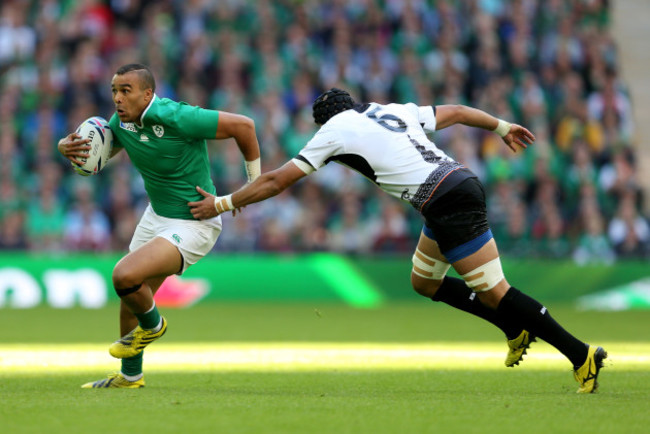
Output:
(45, 221)
(390, 232)
(86, 227)
(593, 245)
(549, 234)
(12, 236)
(349, 233)
(514, 236)
(611, 104)
(628, 231)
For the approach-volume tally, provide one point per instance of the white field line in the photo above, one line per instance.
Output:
(300, 357)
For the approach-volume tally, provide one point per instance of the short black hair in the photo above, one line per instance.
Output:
(330, 103)
(144, 73)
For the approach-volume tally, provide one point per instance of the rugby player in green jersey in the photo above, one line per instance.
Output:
(165, 141)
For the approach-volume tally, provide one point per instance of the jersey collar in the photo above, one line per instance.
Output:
(144, 112)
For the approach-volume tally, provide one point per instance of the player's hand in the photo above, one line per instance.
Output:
(73, 146)
(205, 208)
(518, 137)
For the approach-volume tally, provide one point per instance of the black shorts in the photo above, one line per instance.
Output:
(458, 221)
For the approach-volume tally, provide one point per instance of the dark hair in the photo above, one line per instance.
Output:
(146, 77)
(330, 103)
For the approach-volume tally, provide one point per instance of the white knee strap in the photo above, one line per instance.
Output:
(485, 277)
(428, 267)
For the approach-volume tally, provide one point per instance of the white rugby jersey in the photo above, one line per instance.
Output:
(388, 145)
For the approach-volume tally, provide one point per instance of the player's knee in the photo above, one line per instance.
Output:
(485, 277)
(427, 274)
(424, 287)
(125, 280)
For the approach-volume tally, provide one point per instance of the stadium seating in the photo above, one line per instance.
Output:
(574, 194)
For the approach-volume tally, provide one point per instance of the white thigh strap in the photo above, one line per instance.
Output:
(428, 267)
(485, 277)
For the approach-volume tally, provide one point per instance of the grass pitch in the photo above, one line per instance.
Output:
(245, 368)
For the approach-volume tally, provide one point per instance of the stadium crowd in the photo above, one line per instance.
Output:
(550, 65)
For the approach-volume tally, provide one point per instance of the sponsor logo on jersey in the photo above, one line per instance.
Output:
(129, 126)
(158, 130)
(144, 138)
(177, 238)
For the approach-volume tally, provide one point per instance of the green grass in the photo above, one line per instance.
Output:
(317, 368)
(412, 401)
(422, 321)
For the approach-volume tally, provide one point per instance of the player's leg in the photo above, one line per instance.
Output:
(130, 375)
(458, 222)
(191, 239)
(157, 258)
(128, 321)
(429, 279)
(131, 368)
(482, 272)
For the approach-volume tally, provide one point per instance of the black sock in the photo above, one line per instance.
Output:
(455, 293)
(536, 319)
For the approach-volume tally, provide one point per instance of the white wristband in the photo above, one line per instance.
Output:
(502, 128)
(223, 204)
(253, 169)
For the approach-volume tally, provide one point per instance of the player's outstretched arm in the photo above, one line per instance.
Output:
(267, 185)
(515, 136)
(242, 129)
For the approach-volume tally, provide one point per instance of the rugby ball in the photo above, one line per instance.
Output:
(101, 142)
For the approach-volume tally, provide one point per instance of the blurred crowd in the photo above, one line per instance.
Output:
(550, 65)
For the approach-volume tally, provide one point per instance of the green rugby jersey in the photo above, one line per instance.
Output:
(168, 148)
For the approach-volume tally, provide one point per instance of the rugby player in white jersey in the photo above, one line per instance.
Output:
(165, 141)
(389, 146)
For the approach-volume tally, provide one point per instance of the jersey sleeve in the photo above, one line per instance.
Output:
(426, 116)
(303, 165)
(322, 146)
(196, 122)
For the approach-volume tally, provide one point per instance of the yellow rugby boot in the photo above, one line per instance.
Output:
(587, 374)
(114, 381)
(517, 348)
(135, 341)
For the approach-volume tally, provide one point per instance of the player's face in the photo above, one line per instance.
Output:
(129, 96)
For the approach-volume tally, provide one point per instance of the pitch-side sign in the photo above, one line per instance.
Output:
(63, 288)
(84, 287)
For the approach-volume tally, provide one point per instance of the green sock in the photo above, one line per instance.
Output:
(150, 319)
(132, 366)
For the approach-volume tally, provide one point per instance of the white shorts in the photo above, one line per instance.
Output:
(193, 238)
